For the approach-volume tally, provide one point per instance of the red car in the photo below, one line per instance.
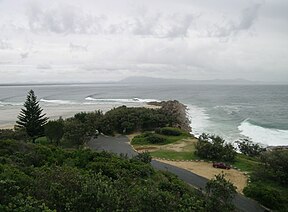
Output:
(221, 165)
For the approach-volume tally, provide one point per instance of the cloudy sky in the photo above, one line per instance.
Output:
(93, 40)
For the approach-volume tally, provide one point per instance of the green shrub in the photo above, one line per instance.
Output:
(156, 139)
(214, 148)
(144, 157)
(18, 134)
(170, 131)
(269, 197)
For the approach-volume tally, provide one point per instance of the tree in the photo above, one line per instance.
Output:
(54, 130)
(248, 148)
(220, 194)
(31, 117)
(213, 147)
(75, 132)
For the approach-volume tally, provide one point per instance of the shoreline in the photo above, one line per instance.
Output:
(66, 111)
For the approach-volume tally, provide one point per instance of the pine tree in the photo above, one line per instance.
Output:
(31, 117)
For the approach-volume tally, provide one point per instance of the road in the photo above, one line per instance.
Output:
(120, 144)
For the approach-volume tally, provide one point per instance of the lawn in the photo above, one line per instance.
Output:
(172, 155)
(245, 163)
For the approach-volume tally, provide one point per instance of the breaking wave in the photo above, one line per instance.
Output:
(132, 100)
(2, 104)
(199, 119)
(268, 136)
(55, 101)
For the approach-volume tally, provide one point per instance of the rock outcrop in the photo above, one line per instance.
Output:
(177, 111)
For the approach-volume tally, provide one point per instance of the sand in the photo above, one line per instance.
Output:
(8, 115)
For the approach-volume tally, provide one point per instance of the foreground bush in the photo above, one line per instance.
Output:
(34, 177)
(268, 197)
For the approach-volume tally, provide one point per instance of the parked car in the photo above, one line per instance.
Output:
(221, 165)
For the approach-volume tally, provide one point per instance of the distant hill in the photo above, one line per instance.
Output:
(152, 80)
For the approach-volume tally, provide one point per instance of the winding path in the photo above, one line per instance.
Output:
(120, 144)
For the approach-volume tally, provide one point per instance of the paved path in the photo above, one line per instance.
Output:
(120, 144)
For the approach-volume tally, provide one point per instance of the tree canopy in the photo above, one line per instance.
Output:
(214, 148)
(31, 117)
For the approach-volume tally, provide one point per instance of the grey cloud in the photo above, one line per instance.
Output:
(231, 28)
(249, 15)
(163, 25)
(44, 66)
(62, 19)
(72, 20)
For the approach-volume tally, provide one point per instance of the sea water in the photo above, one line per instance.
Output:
(257, 112)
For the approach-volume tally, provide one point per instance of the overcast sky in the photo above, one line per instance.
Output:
(93, 40)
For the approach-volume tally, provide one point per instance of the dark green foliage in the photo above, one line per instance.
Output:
(156, 139)
(170, 131)
(269, 181)
(214, 148)
(92, 121)
(144, 157)
(219, 194)
(75, 132)
(17, 134)
(267, 196)
(248, 148)
(126, 120)
(275, 166)
(34, 177)
(123, 120)
(149, 138)
(82, 127)
(31, 117)
(54, 130)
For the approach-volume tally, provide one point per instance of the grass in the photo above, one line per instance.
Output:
(64, 144)
(245, 163)
(172, 155)
(166, 139)
(42, 140)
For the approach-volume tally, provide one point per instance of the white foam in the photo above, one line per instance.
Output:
(267, 136)
(199, 119)
(2, 104)
(133, 100)
(56, 101)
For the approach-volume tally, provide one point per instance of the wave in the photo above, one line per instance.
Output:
(55, 101)
(3, 104)
(199, 119)
(133, 100)
(267, 136)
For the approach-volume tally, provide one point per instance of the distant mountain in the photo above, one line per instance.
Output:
(152, 80)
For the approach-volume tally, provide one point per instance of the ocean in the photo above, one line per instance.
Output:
(257, 112)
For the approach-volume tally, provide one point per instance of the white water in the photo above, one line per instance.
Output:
(267, 136)
(133, 100)
(199, 120)
(56, 101)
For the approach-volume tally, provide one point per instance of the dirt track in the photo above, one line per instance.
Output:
(206, 170)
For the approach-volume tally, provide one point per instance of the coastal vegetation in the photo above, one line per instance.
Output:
(269, 180)
(31, 118)
(44, 175)
(213, 147)
(46, 178)
(161, 136)
(268, 170)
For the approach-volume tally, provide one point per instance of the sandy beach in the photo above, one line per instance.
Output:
(8, 115)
